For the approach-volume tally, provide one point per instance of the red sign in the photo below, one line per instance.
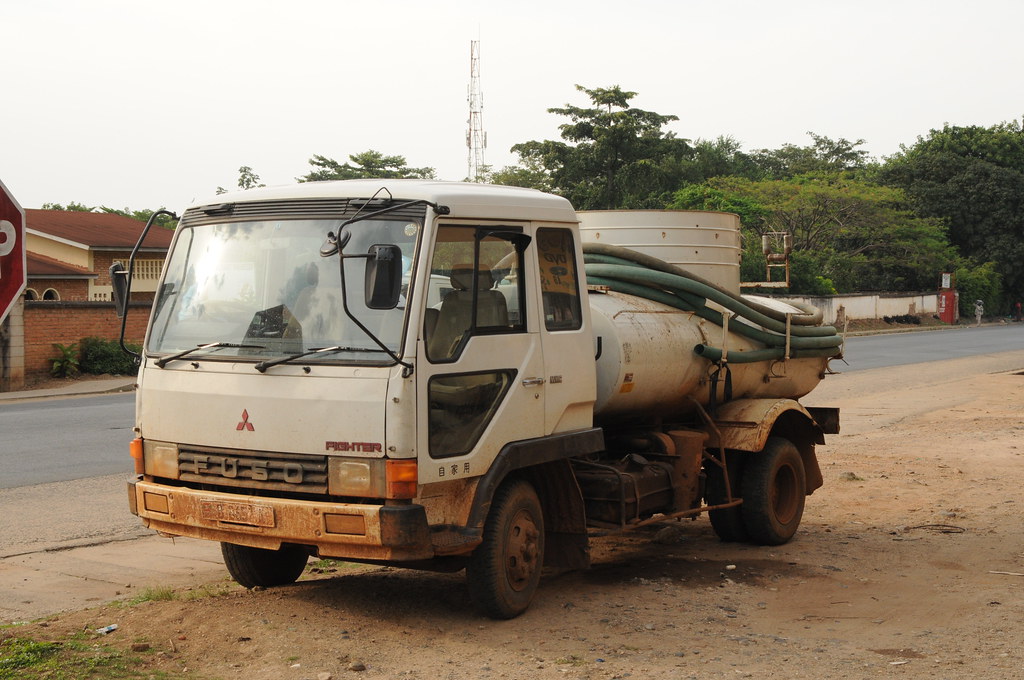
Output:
(12, 251)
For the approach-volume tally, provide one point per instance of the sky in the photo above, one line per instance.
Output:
(141, 105)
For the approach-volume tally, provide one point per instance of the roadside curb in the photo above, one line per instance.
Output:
(84, 388)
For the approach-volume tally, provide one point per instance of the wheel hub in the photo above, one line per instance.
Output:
(521, 560)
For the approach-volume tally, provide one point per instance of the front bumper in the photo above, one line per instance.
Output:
(340, 530)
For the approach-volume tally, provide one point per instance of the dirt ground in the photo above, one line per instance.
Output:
(909, 563)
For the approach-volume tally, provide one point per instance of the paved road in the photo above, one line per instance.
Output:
(64, 439)
(898, 349)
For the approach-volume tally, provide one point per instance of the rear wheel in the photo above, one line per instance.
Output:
(252, 567)
(774, 489)
(505, 569)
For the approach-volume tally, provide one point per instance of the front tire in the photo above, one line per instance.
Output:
(774, 489)
(257, 567)
(505, 569)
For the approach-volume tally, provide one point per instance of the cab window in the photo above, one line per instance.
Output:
(559, 283)
(474, 288)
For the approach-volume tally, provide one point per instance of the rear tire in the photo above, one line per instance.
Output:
(257, 567)
(774, 489)
(505, 569)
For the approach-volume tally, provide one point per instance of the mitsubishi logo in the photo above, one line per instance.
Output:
(245, 424)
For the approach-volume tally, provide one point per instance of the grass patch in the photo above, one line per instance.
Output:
(158, 594)
(80, 656)
(205, 592)
(18, 655)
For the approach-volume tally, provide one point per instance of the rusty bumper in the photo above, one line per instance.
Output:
(341, 530)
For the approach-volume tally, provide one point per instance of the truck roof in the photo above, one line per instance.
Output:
(464, 199)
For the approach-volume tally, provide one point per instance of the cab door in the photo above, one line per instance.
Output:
(480, 368)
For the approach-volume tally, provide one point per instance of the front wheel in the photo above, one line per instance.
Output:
(774, 489)
(505, 569)
(252, 567)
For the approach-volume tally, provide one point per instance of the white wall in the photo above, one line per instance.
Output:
(839, 308)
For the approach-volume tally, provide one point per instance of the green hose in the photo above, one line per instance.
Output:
(628, 272)
(714, 354)
(811, 316)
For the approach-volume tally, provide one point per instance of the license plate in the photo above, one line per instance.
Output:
(237, 513)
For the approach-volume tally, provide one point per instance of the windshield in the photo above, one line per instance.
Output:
(263, 286)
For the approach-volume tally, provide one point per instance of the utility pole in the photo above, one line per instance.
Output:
(476, 138)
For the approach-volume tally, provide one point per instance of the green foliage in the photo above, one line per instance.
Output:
(529, 175)
(65, 365)
(612, 156)
(366, 165)
(980, 282)
(70, 207)
(707, 197)
(805, 276)
(99, 356)
(722, 157)
(80, 656)
(17, 655)
(824, 155)
(247, 179)
(156, 594)
(848, 235)
(973, 178)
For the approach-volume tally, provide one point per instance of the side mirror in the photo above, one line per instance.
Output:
(383, 280)
(119, 288)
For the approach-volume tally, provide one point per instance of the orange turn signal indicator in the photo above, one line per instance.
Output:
(401, 476)
(135, 448)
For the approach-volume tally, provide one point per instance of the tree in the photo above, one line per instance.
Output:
(368, 164)
(973, 178)
(824, 155)
(855, 235)
(529, 175)
(70, 207)
(247, 179)
(612, 156)
(722, 157)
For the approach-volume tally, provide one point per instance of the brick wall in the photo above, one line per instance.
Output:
(65, 322)
(70, 290)
(101, 262)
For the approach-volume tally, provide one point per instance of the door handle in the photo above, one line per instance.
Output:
(529, 382)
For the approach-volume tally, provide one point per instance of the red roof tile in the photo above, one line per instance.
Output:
(96, 230)
(42, 267)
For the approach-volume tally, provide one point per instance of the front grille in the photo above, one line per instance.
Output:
(255, 470)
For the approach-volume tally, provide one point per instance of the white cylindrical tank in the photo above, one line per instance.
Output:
(705, 243)
(647, 369)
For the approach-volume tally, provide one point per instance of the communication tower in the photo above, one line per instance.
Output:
(476, 138)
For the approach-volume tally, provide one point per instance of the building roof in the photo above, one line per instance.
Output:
(43, 267)
(96, 231)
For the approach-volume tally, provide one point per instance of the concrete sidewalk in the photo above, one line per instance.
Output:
(76, 388)
(36, 583)
(40, 584)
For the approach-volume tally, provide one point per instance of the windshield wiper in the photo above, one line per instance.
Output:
(264, 365)
(163, 361)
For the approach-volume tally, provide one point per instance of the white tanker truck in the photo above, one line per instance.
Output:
(452, 375)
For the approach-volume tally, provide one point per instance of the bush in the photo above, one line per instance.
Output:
(66, 364)
(99, 356)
